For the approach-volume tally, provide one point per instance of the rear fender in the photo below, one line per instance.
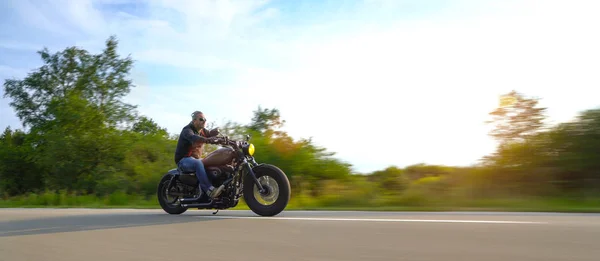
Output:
(174, 172)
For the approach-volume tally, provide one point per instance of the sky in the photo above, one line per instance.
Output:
(405, 81)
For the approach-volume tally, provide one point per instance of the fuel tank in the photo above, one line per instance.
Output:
(221, 156)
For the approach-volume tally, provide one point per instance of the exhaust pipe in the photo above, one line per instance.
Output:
(197, 205)
(188, 200)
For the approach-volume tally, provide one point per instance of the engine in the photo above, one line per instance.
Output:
(218, 175)
(188, 183)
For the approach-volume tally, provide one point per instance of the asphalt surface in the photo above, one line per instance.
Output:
(94, 234)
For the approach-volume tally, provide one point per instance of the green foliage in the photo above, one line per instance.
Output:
(392, 179)
(18, 172)
(86, 147)
(266, 121)
(73, 79)
(147, 126)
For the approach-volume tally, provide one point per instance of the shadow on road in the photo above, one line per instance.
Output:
(95, 221)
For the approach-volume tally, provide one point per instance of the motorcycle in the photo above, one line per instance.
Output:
(264, 187)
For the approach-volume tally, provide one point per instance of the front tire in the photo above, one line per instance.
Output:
(173, 208)
(279, 190)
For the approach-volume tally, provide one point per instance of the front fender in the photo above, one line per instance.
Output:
(272, 167)
(173, 172)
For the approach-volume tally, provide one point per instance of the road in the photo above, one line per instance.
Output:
(96, 234)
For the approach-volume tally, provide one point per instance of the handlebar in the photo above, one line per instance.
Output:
(224, 140)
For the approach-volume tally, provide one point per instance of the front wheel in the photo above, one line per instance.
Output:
(276, 196)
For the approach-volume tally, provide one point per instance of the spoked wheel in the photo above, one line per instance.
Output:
(270, 193)
(169, 204)
(277, 191)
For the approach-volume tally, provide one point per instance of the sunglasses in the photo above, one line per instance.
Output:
(201, 119)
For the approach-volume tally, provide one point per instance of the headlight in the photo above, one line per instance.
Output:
(251, 149)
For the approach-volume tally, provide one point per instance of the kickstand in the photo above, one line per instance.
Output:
(214, 213)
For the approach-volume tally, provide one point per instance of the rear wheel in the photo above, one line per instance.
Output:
(277, 194)
(168, 204)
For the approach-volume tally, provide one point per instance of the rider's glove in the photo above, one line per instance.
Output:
(213, 141)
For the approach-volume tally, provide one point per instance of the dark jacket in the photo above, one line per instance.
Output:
(191, 139)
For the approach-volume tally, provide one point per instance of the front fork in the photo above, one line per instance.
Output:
(251, 172)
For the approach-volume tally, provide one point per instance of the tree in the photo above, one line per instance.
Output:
(147, 126)
(100, 80)
(516, 118)
(392, 179)
(18, 174)
(266, 121)
(73, 104)
(573, 151)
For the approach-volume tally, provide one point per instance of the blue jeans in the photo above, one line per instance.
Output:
(193, 164)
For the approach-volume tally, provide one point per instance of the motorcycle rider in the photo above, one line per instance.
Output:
(189, 149)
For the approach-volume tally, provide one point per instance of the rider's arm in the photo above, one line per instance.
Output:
(189, 135)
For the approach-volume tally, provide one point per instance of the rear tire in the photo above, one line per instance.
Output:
(282, 186)
(161, 192)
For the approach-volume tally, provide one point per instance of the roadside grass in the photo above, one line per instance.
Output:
(326, 202)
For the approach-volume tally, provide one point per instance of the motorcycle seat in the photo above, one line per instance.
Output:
(208, 169)
(185, 172)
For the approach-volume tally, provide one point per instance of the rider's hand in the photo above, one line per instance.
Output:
(213, 140)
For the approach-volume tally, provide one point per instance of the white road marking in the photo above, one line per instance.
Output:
(381, 220)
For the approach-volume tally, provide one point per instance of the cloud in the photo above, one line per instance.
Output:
(414, 78)
(201, 36)
(8, 72)
(425, 86)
